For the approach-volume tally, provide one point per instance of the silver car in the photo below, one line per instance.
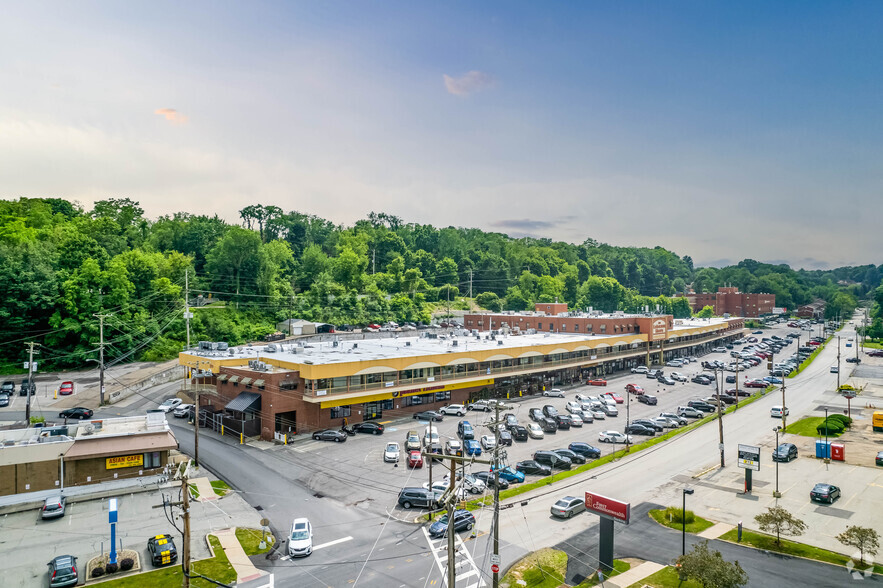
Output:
(567, 507)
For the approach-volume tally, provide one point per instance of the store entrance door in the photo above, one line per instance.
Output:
(373, 410)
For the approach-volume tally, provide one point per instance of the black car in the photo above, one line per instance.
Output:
(824, 493)
(549, 425)
(519, 433)
(649, 424)
(701, 405)
(853, 360)
(535, 414)
(725, 398)
(731, 379)
(162, 550)
(700, 379)
(533, 468)
(463, 521)
(785, 452)
(78, 412)
(573, 456)
(8, 387)
(510, 419)
(418, 497)
(63, 571)
(372, 428)
(647, 399)
(488, 479)
(330, 435)
(634, 429)
(4, 399)
(550, 458)
(505, 438)
(563, 422)
(550, 411)
(585, 449)
(27, 385)
(879, 459)
(428, 415)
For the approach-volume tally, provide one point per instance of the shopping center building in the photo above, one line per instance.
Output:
(313, 383)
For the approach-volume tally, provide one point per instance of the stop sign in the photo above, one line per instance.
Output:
(495, 568)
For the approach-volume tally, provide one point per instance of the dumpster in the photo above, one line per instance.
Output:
(838, 451)
(823, 449)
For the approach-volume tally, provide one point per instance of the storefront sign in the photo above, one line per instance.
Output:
(608, 507)
(749, 457)
(124, 461)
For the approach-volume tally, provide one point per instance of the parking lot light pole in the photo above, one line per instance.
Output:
(684, 521)
(777, 494)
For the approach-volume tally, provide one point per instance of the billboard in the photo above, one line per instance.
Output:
(124, 461)
(749, 457)
(608, 507)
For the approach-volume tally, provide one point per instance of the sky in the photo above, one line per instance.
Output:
(718, 130)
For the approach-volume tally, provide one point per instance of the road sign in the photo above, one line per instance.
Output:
(749, 457)
(495, 568)
(495, 558)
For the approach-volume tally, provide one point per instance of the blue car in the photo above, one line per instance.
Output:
(472, 447)
(773, 380)
(585, 449)
(463, 521)
(509, 474)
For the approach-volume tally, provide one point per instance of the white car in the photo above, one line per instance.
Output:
(480, 405)
(573, 406)
(641, 369)
(300, 540)
(576, 419)
(554, 392)
(392, 453)
(488, 442)
(613, 437)
(678, 377)
(666, 423)
(169, 403)
(455, 409)
(442, 486)
(674, 363)
(473, 484)
(182, 410)
(535, 431)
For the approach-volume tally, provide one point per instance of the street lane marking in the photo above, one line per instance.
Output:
(330, 543)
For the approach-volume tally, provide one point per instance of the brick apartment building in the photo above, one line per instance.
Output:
(731, 301)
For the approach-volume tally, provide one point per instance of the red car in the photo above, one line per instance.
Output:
(415, 459)
(597, 382)
(66, 388)
(756, 384)
(734, 392)
(616, 397)
(633, 389)
(814, 343)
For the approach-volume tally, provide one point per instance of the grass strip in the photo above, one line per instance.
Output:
(221, 487)
(811, 357)
(807, 427)
(619, 567)
(660, 515)
(667, 577)
(768, 542)
(250, 539)
(547, 568)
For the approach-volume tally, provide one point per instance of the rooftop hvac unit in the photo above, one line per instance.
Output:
(205, 345)
(334, 344)
(222, 346)
(355, 345)
(251, 363)
(499, 343)
(271, 348)
(407, 343)
(231, 351)
(454, 343)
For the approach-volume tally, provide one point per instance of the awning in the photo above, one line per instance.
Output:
(98, 447)
(245, 381)
(234, 379)
(245, 402)
(259, 383)
(222, 377)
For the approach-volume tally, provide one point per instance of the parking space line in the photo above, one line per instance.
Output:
(330, 543)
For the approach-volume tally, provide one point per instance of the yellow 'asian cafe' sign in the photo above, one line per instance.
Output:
(125, 461)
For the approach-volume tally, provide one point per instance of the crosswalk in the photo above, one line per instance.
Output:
(468, 573)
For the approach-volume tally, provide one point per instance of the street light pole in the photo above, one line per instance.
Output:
(628, 406)
(777, 494)
(684, 521)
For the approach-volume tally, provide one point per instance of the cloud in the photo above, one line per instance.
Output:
(473, 81)
(523, 224)
(171, 115)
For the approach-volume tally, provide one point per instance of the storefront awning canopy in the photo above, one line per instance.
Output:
(259, 383)
(222, 377)
(245, 402)
(246, 381)
(234, 379)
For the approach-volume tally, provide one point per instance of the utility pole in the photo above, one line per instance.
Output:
(31, 384)
(720, 415)
(373, 261)
(628, 406)
(496, 555)
(470, 283)
(838, 362)
(290, 317)
(101, 318)
(185, 547)
(187, 303)
(196, 426)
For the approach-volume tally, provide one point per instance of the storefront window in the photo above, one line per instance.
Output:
(152, 460)
(339, 412)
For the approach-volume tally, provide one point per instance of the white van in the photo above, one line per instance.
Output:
(777, 412)
(430, 435)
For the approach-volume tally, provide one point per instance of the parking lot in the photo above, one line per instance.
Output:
(84, 532)
(337, 469)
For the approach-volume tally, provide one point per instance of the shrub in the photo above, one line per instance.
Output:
(833, 428)
(98, 572)
(112, 568)
(673, 514)
(844, 420)
(127, 564)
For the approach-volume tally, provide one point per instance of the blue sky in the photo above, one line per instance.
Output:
(718, 130)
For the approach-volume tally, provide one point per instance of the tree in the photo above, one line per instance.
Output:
(781, 522)
(710, 569)
(232, 253)
(706, 312)
(490, 301)
(865, 539)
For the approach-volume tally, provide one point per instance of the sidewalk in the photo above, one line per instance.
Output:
(245, 570)
(635, 574)
(31, 500)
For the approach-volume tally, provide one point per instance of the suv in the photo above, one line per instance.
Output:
(27, 385)
(519, 433)
(550, 458)
(700, 405)
(785, 452)
(53, 507)
(455, 409)
(550, 411)
(647, 399)
(8, 387)
(670, 415)
(162, 550)
(465, 430)
(300, 540)
(563, 421)
(511, 420)
(689, 411)
(549, 425)
(412, 441)
(63, 571)
(418, 497)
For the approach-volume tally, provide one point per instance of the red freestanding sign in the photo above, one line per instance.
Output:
(608, 507)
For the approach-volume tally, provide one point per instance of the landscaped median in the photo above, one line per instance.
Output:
(672, 517)
(811, 357)
(547, 568)
(667, 577)
(548, 480)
